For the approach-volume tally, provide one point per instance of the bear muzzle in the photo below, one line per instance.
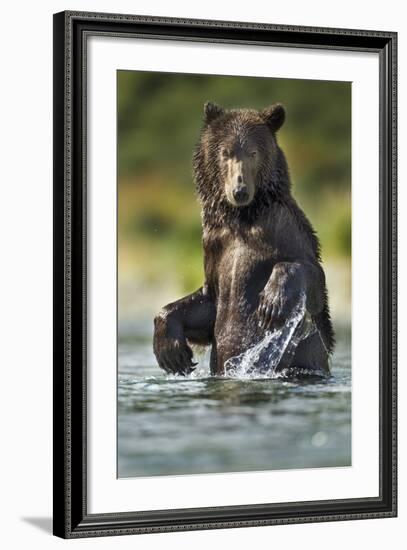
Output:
(239, 184)
(241, 194)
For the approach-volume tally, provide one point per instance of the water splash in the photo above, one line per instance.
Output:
(272, 356)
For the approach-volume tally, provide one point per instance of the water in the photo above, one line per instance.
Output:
(171, 425)
(275, 351)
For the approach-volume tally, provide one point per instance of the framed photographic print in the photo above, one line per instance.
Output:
(224, 274)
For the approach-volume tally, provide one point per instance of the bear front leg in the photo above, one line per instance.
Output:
(283, 290)
(190, 319)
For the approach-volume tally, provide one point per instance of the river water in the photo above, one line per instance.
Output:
(171, 425)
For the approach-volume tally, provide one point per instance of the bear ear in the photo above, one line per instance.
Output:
(212, 112)
(274, 116)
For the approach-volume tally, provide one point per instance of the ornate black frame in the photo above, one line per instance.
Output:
(71, 519)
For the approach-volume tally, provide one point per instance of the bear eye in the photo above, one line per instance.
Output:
(225, 153)
(253, 154)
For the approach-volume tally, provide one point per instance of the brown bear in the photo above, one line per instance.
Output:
(261, 253)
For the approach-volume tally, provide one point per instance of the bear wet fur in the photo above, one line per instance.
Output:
(260, 251)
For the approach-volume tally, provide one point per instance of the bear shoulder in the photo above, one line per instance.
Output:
(294, 232)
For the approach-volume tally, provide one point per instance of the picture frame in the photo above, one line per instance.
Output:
(72, 517)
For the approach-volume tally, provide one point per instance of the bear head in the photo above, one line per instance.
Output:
(238, 164)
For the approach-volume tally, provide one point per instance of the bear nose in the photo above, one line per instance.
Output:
(240, 194)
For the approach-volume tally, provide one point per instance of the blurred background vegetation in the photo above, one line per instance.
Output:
(159, 226)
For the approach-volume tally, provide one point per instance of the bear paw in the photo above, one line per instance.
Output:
(280, 295)
(174, 356)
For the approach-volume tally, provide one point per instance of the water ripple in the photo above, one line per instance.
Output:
(171, 424)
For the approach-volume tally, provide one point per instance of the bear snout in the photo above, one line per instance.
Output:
(241, 194)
